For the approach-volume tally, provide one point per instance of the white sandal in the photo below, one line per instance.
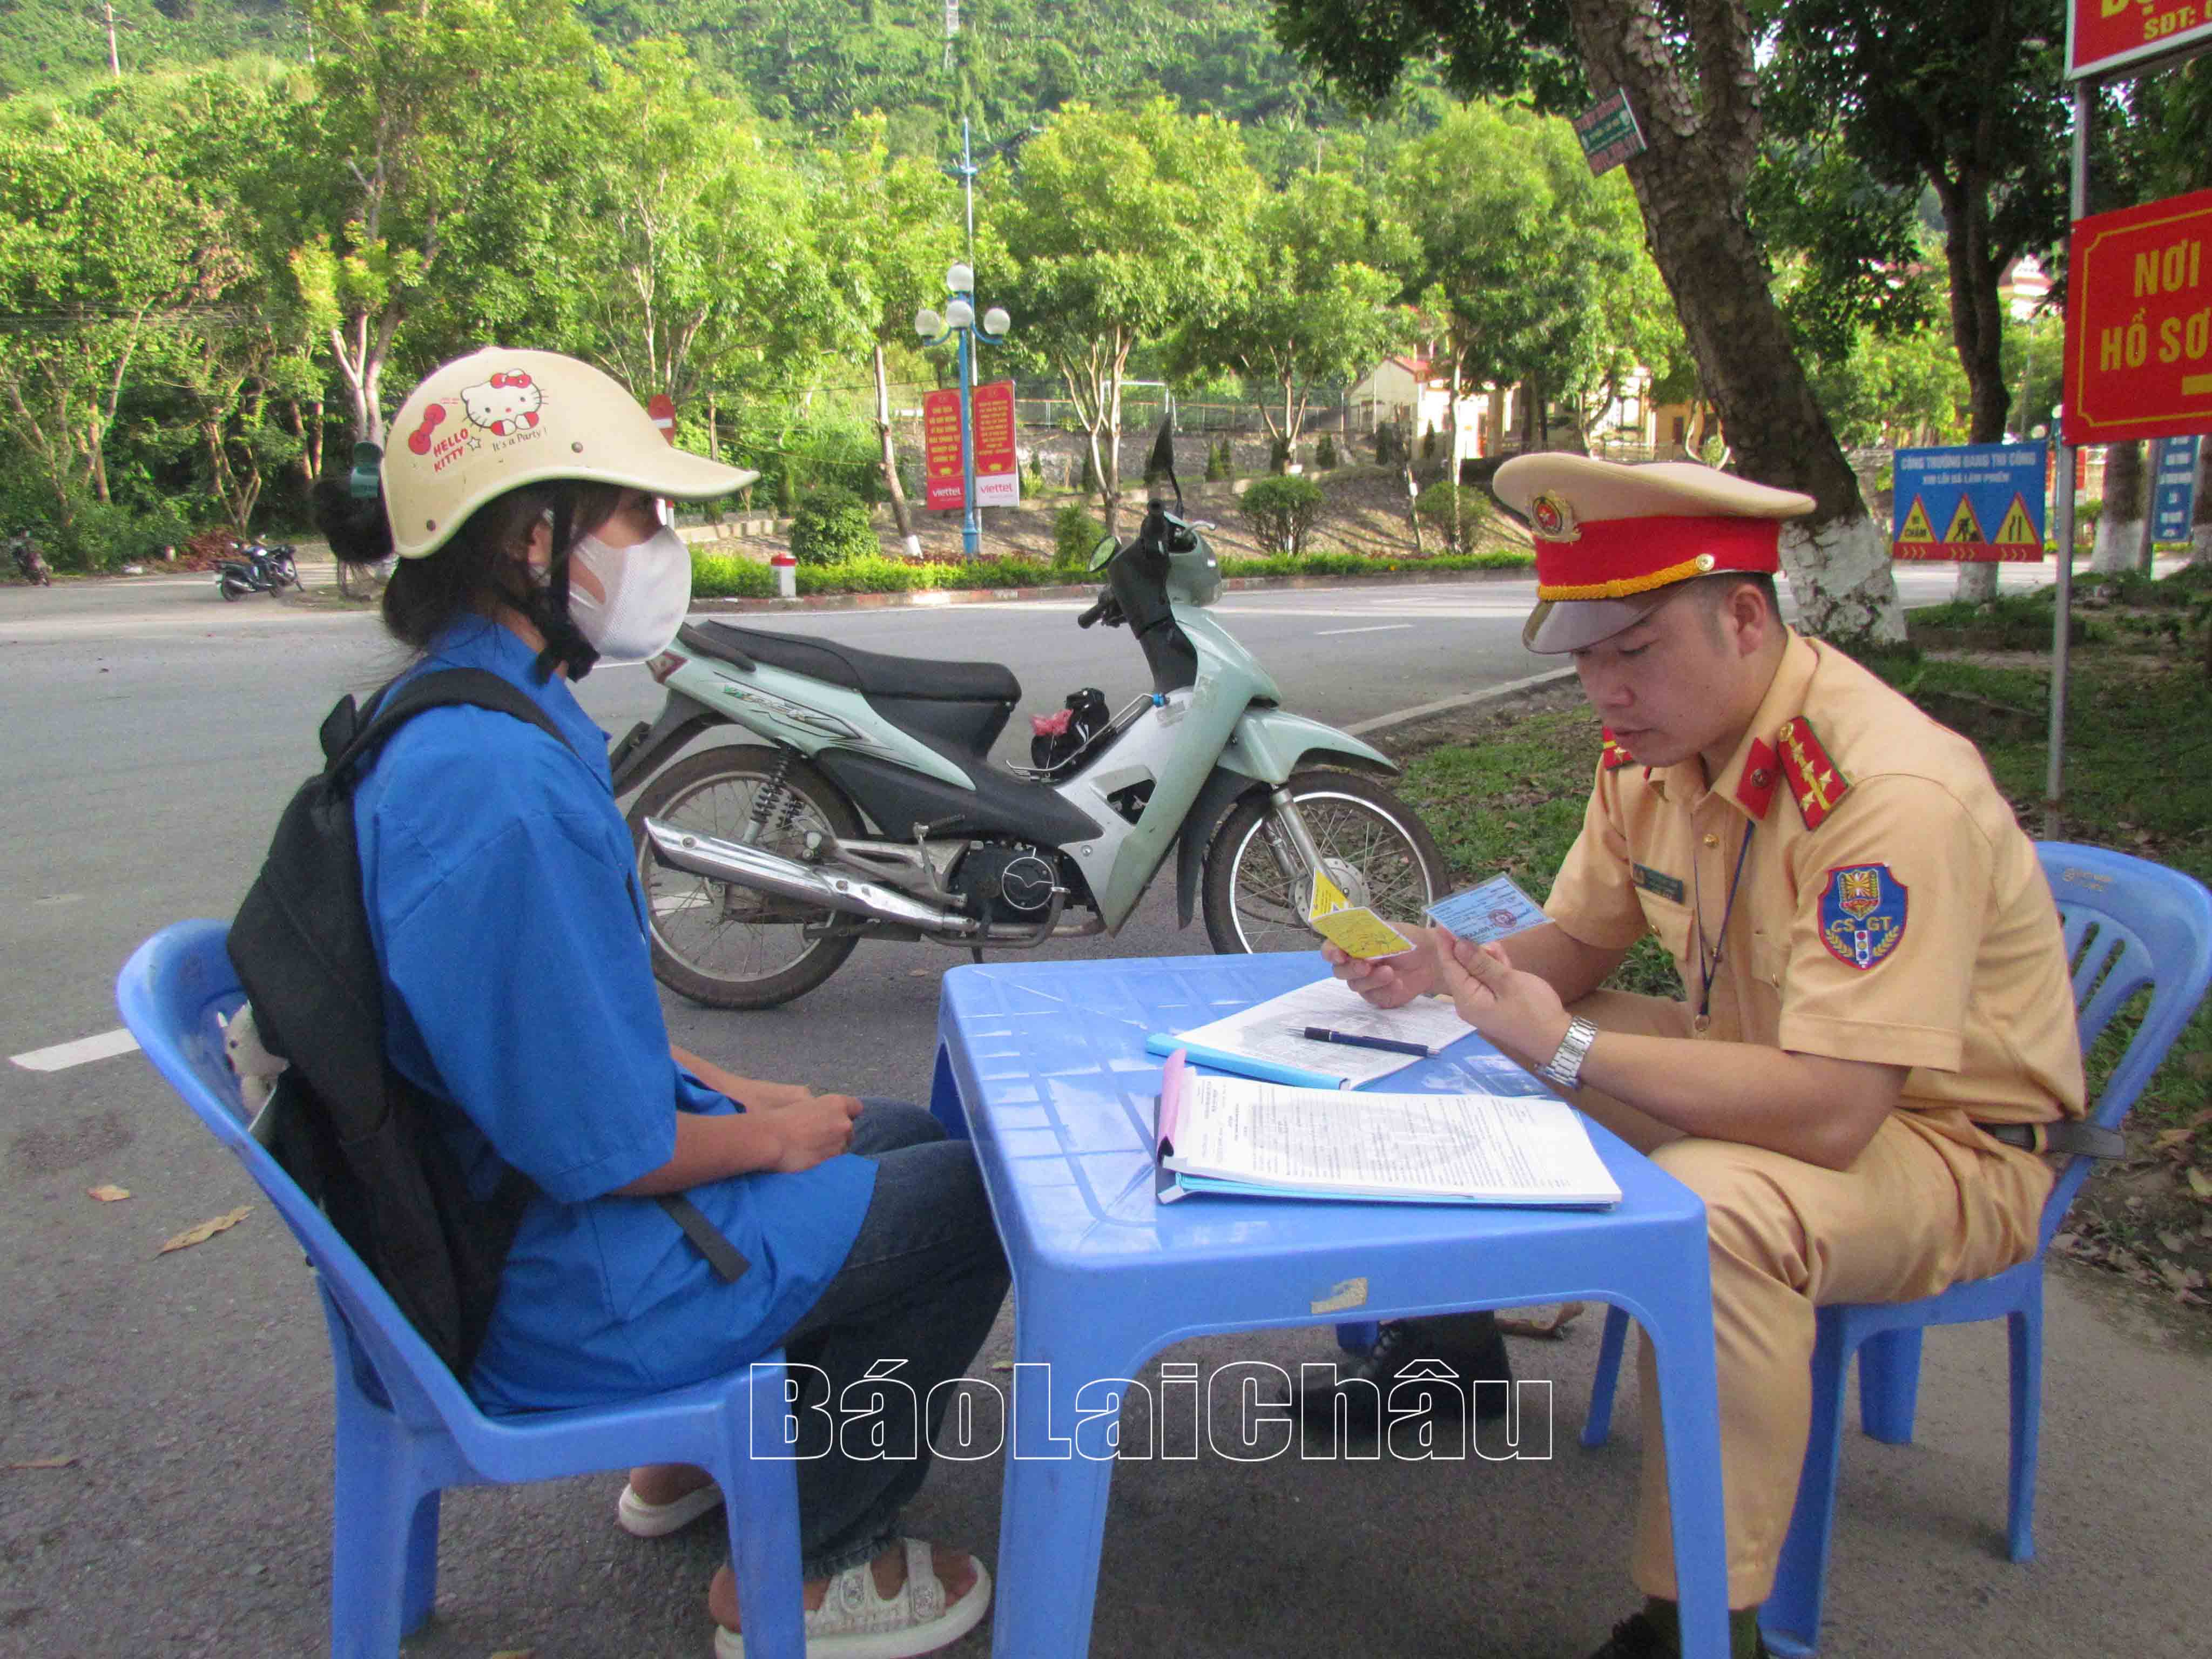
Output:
(642, 1520)
(854, 1622)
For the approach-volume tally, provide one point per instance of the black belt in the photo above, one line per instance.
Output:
(2066, 1137)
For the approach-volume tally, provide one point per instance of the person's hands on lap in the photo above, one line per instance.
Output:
(813, 1131)
(1388, 982)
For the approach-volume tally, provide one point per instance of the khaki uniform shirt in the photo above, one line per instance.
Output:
(1890, 908)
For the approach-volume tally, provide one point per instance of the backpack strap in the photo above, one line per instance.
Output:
(371, 728)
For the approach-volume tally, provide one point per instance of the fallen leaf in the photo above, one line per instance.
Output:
(107, 1192)
(2200, 1183)
(205, 1230)
(1554, 1324)
(2173, 1242)
(43, 1463)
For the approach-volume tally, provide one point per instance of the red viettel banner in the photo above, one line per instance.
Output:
(2139, 322)
(998, 480)
(940, 442)
(2104, 35)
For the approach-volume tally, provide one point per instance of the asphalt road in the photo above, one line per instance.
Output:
(151, 733)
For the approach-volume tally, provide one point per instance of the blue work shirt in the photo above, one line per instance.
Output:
(518, 987)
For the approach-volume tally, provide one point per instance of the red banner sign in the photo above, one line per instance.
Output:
(2104, 35)
(998, 483)
(2139, 322)
(941, 441)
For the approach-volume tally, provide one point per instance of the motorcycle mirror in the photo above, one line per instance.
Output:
(1102, 554)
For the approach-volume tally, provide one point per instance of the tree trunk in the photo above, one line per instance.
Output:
(1690, 185)
(2120, 522)
(1978, 334)
(899, 511)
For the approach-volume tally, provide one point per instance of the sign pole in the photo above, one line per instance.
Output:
(2054, 786)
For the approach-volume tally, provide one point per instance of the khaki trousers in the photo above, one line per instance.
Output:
(1930, 1202)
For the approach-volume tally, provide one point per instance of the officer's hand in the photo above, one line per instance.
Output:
(1517, 1011)
(814, 1130)
(1388, 982)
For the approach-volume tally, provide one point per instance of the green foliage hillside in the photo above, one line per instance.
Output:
(814, 64)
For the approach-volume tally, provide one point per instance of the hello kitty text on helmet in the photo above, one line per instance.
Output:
(502, 417)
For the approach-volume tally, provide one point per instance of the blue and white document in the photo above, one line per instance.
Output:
(1489, 912)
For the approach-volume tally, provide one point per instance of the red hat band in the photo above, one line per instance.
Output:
(1613, 558)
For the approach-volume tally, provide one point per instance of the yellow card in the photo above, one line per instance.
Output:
(1354, 929)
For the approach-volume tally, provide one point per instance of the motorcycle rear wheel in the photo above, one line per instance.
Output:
(1375, 847)
(233, 586)
(717, 943)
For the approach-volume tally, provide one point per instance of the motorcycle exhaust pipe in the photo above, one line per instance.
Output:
(750, 866)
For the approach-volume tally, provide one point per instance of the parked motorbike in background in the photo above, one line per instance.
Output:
(30, 563)
(255, 568)
(861, 802)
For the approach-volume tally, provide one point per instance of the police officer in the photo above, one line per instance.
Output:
(1878, 1016)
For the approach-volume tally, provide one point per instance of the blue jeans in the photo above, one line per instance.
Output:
(922, 1284)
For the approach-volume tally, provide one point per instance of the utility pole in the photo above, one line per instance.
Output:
(114, 58)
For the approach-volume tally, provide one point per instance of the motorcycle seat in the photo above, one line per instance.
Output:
(871, 674)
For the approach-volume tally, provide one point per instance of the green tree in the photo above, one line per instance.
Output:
(444, 138)
(100, 246)
(1124, 226)
(1691, 75)
(1314, 308)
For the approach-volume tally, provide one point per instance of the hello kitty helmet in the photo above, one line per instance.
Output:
(486, 423)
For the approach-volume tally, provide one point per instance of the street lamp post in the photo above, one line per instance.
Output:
(958, 323)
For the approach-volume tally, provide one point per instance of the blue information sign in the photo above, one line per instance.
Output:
(2173, 486)
(1970, 503)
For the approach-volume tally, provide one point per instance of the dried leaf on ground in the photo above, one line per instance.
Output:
(1553, 1322)
(205, 1230)
(107, 1192)
(2200, 1183)
(43, 1463)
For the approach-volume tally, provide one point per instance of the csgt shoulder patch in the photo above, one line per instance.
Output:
(1862, 913)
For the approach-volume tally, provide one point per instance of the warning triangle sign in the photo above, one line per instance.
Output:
(2018, 530)
(1916, 527)
(1964, 526)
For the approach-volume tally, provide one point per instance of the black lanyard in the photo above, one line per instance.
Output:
(1710, 966)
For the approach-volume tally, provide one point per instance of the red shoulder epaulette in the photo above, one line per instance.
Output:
(1812, 776)
(1614, 756)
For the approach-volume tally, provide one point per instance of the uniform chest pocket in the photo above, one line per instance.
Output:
(1671, 921)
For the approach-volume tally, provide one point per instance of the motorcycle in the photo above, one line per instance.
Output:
(257, 568)
(30, 563)
(862, 804)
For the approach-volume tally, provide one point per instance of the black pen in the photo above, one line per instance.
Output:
(1352, 1040)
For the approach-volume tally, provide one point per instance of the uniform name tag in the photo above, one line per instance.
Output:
(1666, 887)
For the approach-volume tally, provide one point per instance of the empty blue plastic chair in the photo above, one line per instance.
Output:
(405, 1430)
(2130, 925)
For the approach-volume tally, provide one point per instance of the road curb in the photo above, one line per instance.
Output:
(944, 596)
(1535, 682)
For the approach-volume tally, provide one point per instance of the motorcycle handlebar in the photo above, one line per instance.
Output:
(1097, 612)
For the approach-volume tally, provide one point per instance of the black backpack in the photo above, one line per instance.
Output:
(360, 1139)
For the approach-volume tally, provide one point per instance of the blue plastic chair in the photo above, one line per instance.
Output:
(2129, 925)
(405, 1430)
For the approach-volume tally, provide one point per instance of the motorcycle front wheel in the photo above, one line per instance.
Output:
(1373, 846)
(715, 942)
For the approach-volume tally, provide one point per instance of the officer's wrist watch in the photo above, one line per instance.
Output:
(1564, 1067)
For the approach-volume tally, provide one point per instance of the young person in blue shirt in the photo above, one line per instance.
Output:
(519, 494)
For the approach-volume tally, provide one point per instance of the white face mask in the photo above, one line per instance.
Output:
(648, 593)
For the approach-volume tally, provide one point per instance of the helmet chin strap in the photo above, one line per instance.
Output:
(546, 604)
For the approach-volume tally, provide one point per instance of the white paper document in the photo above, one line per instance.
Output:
(1267, 1031)
(1495, 1149)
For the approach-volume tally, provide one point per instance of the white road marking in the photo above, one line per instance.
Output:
(1373, 628)
(62, 1055)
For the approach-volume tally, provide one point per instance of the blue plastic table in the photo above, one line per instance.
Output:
(1043, 1065)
